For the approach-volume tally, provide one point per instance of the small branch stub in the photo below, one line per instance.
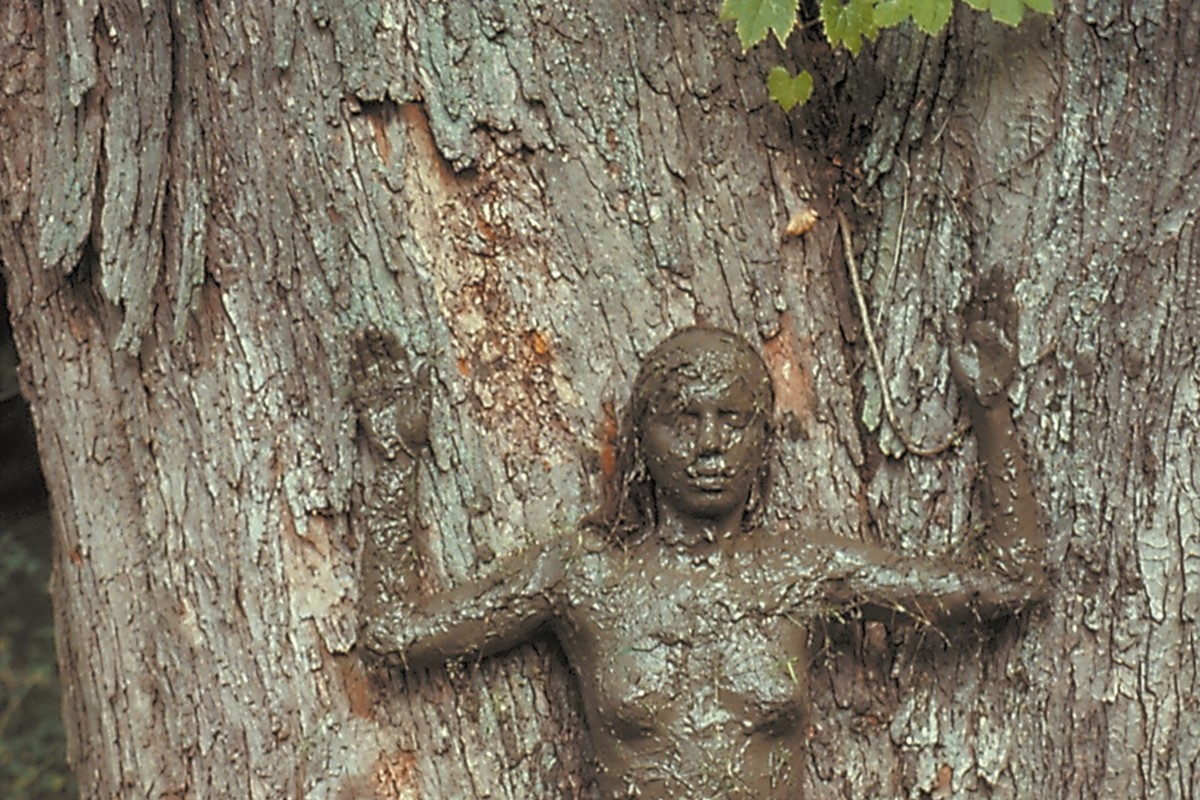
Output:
(801, 222)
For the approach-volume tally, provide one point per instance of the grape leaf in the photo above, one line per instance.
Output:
(932, 15)
(847, 23)
(890, 13)
(1008, 11)
(978, 5)
(790, 91)
(1041, 6)
(755, 18)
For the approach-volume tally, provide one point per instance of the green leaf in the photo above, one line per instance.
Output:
(932, 15)
(1041, 6)
(755, 18)
(1008, 11)
(790, 92)
(978, 5)
(847, 23)
(890, 13)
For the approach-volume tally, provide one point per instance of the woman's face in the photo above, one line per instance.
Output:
(704, 436)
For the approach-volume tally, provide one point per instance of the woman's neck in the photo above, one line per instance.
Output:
(694, 534)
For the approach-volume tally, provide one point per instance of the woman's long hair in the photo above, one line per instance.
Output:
(630, 507)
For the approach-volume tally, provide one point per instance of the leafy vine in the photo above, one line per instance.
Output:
(846, 23)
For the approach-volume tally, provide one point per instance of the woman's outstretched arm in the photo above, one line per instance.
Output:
(1011, 571)
(879, 582)
(400, 617)
(392, 405)
(481, 617)
(983, 362)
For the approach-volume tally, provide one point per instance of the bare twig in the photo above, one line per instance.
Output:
(877, 361)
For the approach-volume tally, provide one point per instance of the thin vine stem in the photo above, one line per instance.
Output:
(873, 347)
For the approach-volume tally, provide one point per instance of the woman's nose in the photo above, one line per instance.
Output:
(708, 437)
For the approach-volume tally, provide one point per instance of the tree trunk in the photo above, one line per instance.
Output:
(203, 202)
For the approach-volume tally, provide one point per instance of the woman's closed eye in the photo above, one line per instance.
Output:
(736, 419)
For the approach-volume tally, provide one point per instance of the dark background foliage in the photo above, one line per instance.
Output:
(32, 752)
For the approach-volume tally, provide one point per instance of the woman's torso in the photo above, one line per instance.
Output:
(691, 671)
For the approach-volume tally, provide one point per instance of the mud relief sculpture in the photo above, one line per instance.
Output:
(673, 604)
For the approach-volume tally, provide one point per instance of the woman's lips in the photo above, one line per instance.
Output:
(710, 480)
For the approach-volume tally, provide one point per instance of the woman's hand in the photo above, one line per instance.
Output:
(392, 403)
(983, 348)
(983, 361)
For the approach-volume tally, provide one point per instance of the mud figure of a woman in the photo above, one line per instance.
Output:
(678, 611)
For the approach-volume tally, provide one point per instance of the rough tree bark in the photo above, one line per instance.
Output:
(203, 201)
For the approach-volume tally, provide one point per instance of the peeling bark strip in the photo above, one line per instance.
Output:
(202, 201)
(109, 96)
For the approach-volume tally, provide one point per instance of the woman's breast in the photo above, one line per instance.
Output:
(682, 722)
(693, 682)
(761, 673)
(645, 672)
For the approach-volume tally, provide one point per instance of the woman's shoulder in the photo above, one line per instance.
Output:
(598, 561)
(793, 553)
